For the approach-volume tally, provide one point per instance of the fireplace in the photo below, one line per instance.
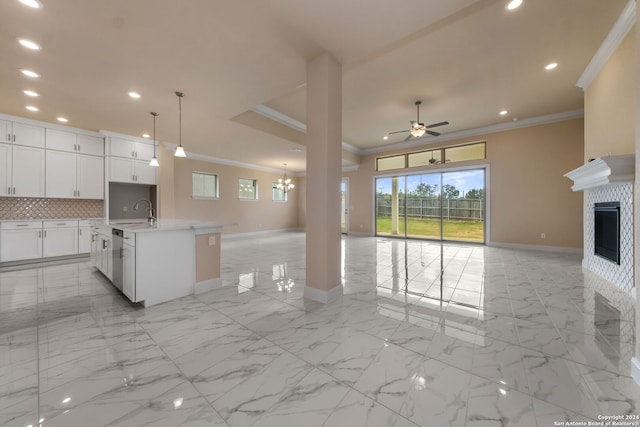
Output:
(607, 231)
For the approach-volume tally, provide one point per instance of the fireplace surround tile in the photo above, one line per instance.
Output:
(620, 275)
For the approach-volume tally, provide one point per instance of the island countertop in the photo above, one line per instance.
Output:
(142, 226)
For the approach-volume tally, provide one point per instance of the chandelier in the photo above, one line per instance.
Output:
(284, 183)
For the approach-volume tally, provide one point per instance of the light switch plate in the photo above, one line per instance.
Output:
(212, 240)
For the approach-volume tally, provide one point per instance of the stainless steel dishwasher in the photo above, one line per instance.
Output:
(117, 258)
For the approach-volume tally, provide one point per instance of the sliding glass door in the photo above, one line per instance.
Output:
(438, 206)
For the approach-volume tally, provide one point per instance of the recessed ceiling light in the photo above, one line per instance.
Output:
(30, 93)
(134, 95)
(551, 66)
(32, 108)
(30, 73)
(514, 4)
(385, 137)
(62, 119)
(146, 135)
(31, 3)
(29, 44)
(504, 112)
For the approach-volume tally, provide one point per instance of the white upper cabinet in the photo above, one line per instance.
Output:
(90, 145)
(131, 149)
(61, 140)
(23, 134)
(6, 187)
(90, 177)
(61, 174)
(28, 171)
(5, 132)
(74, 176)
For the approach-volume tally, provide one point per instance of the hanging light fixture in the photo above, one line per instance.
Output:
(418, 129)
(154, 159)
(179, 150)
(284, 184)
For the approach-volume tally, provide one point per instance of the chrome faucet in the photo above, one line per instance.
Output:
(150, 218)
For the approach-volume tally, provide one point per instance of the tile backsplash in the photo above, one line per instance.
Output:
(35, 208)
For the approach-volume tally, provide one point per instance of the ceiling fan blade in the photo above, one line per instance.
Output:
(398, 131)
(430, 132)
(437, 124)
(408, 137)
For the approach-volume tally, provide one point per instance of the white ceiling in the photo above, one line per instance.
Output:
(464, 59)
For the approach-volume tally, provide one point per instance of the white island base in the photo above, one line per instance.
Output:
(170, 260)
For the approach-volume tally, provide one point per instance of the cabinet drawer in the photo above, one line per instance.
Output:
(60, 224)
(85, 223)
(20, 225)
(129, 238)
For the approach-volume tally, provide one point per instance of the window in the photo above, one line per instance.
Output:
(205, 185)
(425, 158)
(460, 153)
(248, 189)
(393, 162)
(465, 152)
(277, 195)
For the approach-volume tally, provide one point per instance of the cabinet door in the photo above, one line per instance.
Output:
(84, 240)
(122, 148)
(94, 249)
(60, 140)
(5, 170)
(32, 136)
(90, 177)
(17, 245)
(28, 171)
(129, 274)
(144, 173)
(5, 131)
(61, 174)
(90, 145)
(121, 170)
(143, 151)
(60, 242)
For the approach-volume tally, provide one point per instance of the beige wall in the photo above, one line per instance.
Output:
(610, 104)
(527, 190)
(166, 202)
(207, 257)
(242, 216)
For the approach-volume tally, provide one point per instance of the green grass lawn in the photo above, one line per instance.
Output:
(472, 231)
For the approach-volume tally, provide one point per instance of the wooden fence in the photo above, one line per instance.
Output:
(461, 209)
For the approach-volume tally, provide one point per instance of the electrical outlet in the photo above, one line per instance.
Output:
(543, 236)
(125, 208)
(212, 240)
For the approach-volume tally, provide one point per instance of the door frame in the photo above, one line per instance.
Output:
(345, 229)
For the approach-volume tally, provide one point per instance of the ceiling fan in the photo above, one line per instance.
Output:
(418, 129)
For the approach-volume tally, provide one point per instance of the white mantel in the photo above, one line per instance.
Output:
(603, 171)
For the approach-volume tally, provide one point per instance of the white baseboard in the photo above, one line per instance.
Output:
(251, 234)
(208, 285)
(535, 247)
(635, 369)
(322, 296)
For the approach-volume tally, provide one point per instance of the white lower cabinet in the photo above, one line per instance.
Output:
(20, 240)
(129, 276)
(84, 237)
(102, 253)
(60, 238)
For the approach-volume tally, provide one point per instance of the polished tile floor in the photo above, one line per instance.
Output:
(425, 334)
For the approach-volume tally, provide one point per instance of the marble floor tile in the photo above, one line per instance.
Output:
(426, 334)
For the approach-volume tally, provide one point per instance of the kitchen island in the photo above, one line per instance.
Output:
(151, 264)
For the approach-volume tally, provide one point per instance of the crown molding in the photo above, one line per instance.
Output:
(217, 160)
(620, 29)
(277, 116)
(500, 127)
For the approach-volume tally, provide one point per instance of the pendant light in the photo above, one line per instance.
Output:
(154, 159)
(179, 150)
